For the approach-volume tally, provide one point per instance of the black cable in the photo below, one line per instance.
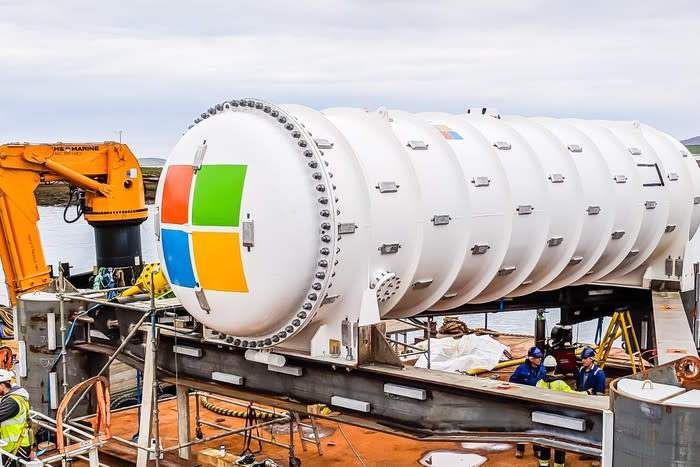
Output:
(250, 422)
(78, 210)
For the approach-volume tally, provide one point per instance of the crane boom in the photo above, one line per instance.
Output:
(112, 200)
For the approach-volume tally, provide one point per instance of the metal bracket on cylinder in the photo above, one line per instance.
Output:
(668, 269)
(199, 156)
(422, 284)
(347, 228)
(555, 241)
(524, 209)
(202, 299)
(679, 266)
(481, 181)
(156, 224)
(593, 210)
(417, 145)
(618, 234)
(650, 204)
(323, 143)
(387, 187)
(574, 148)
(480, 249)
(328, 299)
(374, 348)
(673, 176)
(504, 271)
(635, 151)
(389, 248)
(441, 219)
(556, 178)
(248, 233)
(502, 145)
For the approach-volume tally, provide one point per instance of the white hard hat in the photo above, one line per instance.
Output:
(6, 376)
(550, 362)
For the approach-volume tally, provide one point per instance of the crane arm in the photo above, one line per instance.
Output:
(108, 173)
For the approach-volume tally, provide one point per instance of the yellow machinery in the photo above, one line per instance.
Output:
(621, 325)
(151, 281)
(108, 181)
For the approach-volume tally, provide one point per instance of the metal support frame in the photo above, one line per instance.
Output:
(76, 433)
(149, 405)
(228, 431)
(62, 313)
(418, 326)
(373, 347)
(183, 421)
(149, 423)
(471, 408)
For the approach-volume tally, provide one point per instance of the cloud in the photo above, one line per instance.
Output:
(80, 69)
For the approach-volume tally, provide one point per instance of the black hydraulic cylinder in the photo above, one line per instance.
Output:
(118, 245)
(540, 323)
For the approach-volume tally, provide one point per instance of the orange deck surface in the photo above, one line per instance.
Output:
(375, 449)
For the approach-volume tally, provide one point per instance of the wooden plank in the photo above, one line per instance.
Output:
(122, 378)
(213, 458)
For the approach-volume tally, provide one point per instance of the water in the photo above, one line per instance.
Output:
(444, 458)
(75, 243)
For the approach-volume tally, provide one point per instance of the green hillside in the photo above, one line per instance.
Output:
(694, 148)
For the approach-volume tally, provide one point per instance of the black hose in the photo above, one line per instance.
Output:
(78, 209)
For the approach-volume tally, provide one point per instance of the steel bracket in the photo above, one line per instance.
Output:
(374, 348)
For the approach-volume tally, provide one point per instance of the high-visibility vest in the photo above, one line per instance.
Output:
(15, 431)
(556, 385)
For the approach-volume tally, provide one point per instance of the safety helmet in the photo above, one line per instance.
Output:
(550, 362)
(588, 353)
(6, 376)
(534, 352)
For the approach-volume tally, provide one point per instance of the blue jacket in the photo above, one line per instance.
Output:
(526, 374)
(596, 380)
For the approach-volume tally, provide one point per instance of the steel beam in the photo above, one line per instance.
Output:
(456, 407)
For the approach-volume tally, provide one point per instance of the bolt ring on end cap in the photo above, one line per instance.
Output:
(319, 181)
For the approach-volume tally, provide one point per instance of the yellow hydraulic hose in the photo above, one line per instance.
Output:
(506, 364)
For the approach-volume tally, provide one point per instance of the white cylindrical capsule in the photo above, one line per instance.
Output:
(283, 224)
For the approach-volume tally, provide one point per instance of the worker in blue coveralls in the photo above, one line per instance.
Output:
(529, 372)
(590, 378)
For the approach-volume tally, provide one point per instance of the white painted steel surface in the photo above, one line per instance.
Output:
(434, 211)
(648, 390)
(688, 399)
(672, 332)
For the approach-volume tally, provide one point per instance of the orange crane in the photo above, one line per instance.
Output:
(108, 181)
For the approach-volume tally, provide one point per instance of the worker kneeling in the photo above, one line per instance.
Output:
(551, 381)
(14, 419)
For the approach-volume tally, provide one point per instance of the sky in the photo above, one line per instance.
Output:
(78, 71)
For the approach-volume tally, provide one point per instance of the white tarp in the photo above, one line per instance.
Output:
(468, 352)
